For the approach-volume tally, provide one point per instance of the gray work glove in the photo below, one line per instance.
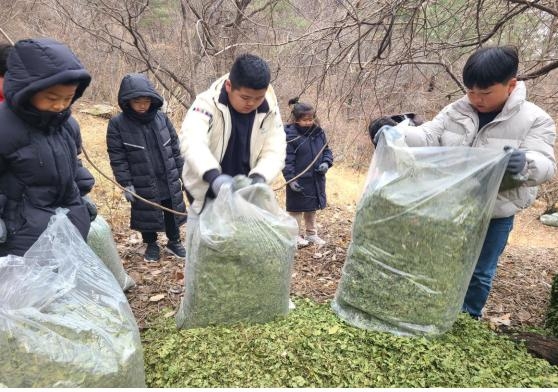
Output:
(3, 231)
(295, 186)
(219, 181)
(91, 207)
(517, 161)
(257, 178)
(128, 195)
(323, 168)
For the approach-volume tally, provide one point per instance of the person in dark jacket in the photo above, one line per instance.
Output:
(145, 159)
(305, 195)
(39, 166)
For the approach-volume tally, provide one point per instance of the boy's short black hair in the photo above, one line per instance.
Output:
(489, 66)
(249, 71)
(4, 51)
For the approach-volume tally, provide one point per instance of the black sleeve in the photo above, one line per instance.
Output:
(117, 155)
(83, 178)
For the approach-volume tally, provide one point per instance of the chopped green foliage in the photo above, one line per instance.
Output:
(64, 321)
(101, 241)
(416, 238)
(312, 347)
(551, 322)
(239, 268)
(61, 346)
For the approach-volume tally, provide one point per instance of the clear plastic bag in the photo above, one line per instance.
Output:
(64, 320)
(240, 252)
(417, 235)
(101, 241)
(549, 219)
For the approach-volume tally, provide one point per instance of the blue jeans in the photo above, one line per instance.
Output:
(481, 282)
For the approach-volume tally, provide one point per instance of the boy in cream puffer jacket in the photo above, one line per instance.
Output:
(493, 114)
(232, 128)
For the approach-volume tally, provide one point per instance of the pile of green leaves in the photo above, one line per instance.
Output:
(311, 347)
(414, 245)
(551, 322)
(242, 276)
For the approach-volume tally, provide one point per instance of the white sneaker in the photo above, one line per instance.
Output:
(314, 239)
(301, 242)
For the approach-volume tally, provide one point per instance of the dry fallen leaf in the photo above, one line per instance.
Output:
(156, 298)
(501, 320)
(523, 315)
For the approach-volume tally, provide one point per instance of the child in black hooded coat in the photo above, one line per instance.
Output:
(145, 159)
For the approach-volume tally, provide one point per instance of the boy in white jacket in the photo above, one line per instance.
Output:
(494, 114)
(232, 128)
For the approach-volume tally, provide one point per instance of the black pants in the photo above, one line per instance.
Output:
(171, 228)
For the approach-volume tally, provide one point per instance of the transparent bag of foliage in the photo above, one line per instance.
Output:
(64, 320)
(417, 235)
(240, 253)
(101, 241)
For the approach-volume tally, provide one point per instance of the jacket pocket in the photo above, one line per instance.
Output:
(133, 146)
(13, 216)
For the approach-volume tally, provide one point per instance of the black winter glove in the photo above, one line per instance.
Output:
(295, 186)
(323, 168)
(376, 125)
(129, 197)
(257, 178)
(91, 207)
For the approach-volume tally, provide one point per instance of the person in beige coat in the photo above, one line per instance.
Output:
(232, 128)
(494, 113)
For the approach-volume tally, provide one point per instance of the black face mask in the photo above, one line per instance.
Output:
(44, 120)
(143, 118)
(305, 130)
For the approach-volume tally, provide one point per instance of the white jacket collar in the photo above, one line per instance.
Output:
(516, 98)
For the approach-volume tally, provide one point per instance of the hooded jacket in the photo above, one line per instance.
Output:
(520, 124)
(39, 167)
(302, 147)
(144, 152)
(205, 134)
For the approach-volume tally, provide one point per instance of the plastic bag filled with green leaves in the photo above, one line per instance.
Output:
(417, 235)
(101, 241)
(240, 253)
(64, 320)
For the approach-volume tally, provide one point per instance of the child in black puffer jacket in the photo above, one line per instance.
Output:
(145, 159)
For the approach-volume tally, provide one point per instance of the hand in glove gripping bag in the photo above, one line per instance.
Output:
(3, 231)
(323, 168)
(129, 197)
(91, 207)
(257, 178)
(376, 126)
(295, 186)
(517, 161)
(219, 181)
